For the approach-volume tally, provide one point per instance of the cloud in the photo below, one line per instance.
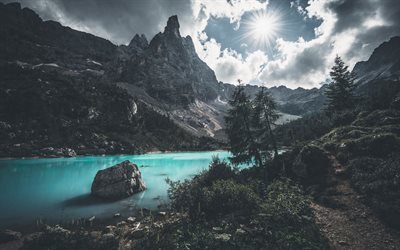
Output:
(117, 21)
(349, 28)
(229, 65)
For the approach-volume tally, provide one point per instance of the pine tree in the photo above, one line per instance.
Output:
(264, 116)
(238, 128)
(340, 92)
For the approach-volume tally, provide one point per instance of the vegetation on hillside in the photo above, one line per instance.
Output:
(232, 209)
(226, 207)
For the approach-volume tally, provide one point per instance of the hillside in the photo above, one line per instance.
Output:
(164, 77)
(58, 100)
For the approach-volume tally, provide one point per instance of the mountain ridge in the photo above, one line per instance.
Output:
(163, 76)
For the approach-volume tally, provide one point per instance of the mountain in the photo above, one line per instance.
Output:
(378, 78)
(74, 81)
(383, 64)
(297, 101)
(57, 97)
(170, 70)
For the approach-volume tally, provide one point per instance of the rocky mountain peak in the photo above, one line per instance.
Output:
(384, 63)
(172, 26)
(139, 41)
(12, 6)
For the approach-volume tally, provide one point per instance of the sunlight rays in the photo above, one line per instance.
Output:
(263, 28)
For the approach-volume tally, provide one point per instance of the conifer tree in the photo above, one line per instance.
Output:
(340, 92)
(241, 138)
(264, 116)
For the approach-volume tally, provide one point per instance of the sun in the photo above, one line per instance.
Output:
(263, 27)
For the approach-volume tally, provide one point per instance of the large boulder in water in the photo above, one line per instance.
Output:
(119, 181)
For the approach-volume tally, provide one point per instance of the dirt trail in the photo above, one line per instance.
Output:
(352, 225)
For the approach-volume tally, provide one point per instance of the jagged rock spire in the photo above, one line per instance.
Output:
(139, 41)
(172, 26)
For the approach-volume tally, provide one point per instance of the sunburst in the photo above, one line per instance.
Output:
(263, 28)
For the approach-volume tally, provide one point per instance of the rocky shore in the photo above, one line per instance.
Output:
(117, 231)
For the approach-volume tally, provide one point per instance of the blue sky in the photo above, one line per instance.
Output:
(292, 44)
(294, 25)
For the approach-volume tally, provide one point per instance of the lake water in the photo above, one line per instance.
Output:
(59, 189)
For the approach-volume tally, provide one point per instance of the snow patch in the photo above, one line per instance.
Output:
(46, 64)
(220, 101)
(94, 62)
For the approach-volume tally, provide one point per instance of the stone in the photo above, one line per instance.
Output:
(108, 236)
(131, 219)
(110, 228)
(95, 234)
(121, 223)
(119, 181)
(217, 229)
(223, 237)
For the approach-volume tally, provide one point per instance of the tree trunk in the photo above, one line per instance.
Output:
(272, 136)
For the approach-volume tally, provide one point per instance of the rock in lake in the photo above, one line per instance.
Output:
(119, 181)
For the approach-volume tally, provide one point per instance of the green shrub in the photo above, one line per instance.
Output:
(286, 202)
(290, 217)
(222, 197)
(218, 170)
(227, 196)
(379, 180)
(189, 195)
(311, 165)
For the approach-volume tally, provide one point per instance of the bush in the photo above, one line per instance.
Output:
(379, 180)
(290, 218)
(218, 170)
(311, 165)
(227, 196)
(222, 197)
(238, 218)
(287, 202)
(187, 196)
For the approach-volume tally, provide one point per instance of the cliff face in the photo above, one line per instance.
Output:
(57, 97)
(383, 64)
(170, 70)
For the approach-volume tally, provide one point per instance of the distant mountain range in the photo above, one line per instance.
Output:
(62, 88)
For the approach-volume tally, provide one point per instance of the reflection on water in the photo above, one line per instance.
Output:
(59, 189)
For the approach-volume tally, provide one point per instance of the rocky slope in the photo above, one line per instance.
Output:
(378, 77)
(66, 92)
(169, 69)
(383, 64)
(58, 100)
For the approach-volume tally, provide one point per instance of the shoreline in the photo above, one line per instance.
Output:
(107, 155)
(83, 222)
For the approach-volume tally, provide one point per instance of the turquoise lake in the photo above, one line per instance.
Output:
(58, 189)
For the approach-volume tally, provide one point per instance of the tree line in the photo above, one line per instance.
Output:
(249, 123)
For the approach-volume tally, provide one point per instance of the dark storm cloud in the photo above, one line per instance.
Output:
(352, 14)
(119, 20)
(358, 26)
